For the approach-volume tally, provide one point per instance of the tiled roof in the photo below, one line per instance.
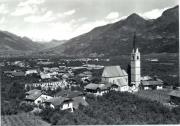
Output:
(69, 94)
(152, 82)
(33, 96)
(113, 71)
(124, 72)
(33, 91)
(18, 74)
(92, 86)
(121, 82)
(57, 100)
(96, 86)
(175, 93)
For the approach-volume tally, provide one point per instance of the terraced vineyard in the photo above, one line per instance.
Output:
(22, 120)
(154, 95)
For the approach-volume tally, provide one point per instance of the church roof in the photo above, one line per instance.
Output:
(113, 71)
(121, 82)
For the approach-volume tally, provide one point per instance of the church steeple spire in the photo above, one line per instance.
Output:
(134, 41)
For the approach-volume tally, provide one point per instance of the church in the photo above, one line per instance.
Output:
(118, 76)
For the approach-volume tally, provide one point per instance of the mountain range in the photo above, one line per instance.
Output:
(152, 36)
(13, 45)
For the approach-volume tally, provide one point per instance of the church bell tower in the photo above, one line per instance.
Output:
(135, 66)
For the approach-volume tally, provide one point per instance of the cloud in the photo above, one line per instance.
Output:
(153, 14)
(70, 12)
(47, 17)
(67, 13)
(112, 15)
(31, 2)
(3, 9)
(28, 7)
(24, 10)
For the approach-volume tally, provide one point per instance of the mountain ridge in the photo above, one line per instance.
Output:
(153, 36)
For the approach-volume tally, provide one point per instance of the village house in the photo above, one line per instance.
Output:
(175, 97)
(100, 89)
(19, 63)
(67, 99)
(36, 97)
(153, 84)
(60, 102)
(116, 75)
(85, 76)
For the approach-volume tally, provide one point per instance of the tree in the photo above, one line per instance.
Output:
(16, 91)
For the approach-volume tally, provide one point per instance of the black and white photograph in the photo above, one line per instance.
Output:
(89, 62)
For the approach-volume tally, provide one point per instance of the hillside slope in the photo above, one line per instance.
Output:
(153, 36)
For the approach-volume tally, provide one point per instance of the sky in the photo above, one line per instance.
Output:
(44, 20)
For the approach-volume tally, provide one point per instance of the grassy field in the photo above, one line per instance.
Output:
(155, 95)
(22, 120)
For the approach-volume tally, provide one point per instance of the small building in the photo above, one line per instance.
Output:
(175, 97)
(36, 97)
(100, 89)
(116, 75)
(153, 84)
(67, 99)
(86, 75)
(60, 102)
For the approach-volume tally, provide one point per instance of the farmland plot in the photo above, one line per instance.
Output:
(154, 95)
(22, 120)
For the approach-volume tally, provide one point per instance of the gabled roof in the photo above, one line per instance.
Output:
(33, 96)
(57, 100)
(122, 82)
(69, 94)
(175, 93)
(34, 91)
(152, 82)
(91, 86)
(124, 72)
(113, 71)
(17, 74)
